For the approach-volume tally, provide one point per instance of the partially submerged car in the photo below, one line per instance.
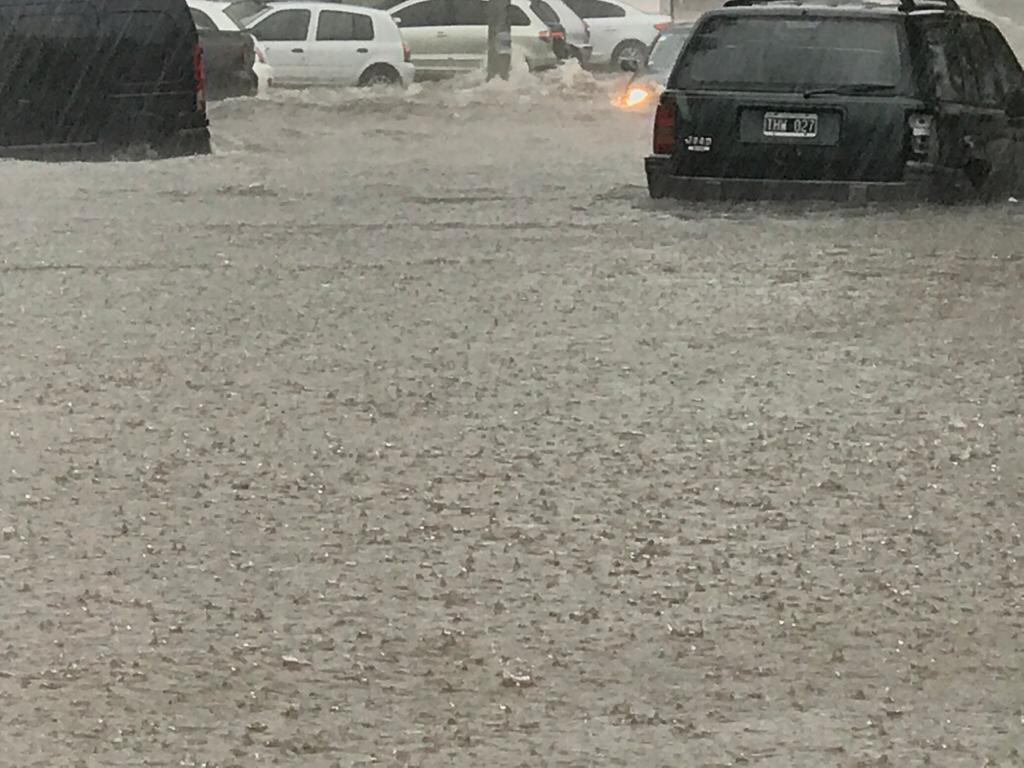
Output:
(916, 100)
(649, 77)
(87, 78)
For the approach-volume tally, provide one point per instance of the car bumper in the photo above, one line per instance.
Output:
(922, 183)
(264, 75)
(406, 71)
(188, 141)
(581, 53)
(233, 85)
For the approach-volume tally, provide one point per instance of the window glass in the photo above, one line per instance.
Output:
(666, 49)
(545, 12)
(952, 81)
(981, 62)
(341, 25)
(201, 20)
(1009, 76)
(601, 10)
(149, 46)
(793, 54)
(469, 13)
(432, 13)
(290, 25)
(242, 11)
(517, 17)
(595, 9)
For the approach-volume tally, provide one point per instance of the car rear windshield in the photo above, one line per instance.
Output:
(666, 49)
(243, 10)
(772, 53)
(545, 12)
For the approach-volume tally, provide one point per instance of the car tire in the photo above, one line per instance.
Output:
(628, 49)
(380, 74)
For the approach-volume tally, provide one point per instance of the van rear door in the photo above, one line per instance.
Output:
(50, 88)
(150, 67)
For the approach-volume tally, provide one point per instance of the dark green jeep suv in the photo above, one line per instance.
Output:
(839, 100)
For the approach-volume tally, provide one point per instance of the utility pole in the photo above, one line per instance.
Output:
(499, 40)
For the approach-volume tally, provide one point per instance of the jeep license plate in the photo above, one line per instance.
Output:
(791, 125)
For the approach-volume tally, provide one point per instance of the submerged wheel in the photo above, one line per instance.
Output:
(379, 75)
(629, 50)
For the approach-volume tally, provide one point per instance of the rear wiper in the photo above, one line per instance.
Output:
(850, 90)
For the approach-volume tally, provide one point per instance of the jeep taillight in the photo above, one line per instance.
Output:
(922, 135)
(665, 129)
(199, 77)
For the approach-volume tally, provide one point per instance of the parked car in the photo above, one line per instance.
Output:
(450, 36)
(81, 78)
(844, 102)
(318, 43)
(649, 77)
(210, 15)
(618, 31)
(229, 54)
(575, 39)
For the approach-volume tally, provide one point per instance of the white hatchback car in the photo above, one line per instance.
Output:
(450, 36)
(310, 43)
(618, 31)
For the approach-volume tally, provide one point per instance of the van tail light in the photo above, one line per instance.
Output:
(199, 77)
(665, 129)
(921, 127)
(406, 53)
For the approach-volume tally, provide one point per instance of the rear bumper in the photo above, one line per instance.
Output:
(232, 84)
(189, 141)
(406, 71)
(922, 183)
(581, 53)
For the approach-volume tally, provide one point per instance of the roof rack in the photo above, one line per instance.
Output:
(906, 6)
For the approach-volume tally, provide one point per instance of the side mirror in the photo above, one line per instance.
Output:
(630, 65)
(398, 20)
(1015, 104)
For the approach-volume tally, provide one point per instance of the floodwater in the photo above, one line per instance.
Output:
(405, 430)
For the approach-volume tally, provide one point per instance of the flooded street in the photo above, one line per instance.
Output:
(405, 430)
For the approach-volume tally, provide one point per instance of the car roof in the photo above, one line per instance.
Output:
(885, 8)
(102, 5)
(313, 5)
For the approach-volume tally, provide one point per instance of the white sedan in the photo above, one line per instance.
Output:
(618, 31)
(310, 43)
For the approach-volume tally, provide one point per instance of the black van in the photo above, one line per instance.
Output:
(86, 77)
(841, 100)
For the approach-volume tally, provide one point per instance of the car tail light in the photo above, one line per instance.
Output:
(665, 129)
(199, 76)
(661, 26)
(261, 57)
(406, 53)
(548, 35)
(922, 134)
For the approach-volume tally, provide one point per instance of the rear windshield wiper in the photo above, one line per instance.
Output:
(857, 89)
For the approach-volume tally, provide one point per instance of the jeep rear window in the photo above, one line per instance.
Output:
(149, 47)
(791, 53)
